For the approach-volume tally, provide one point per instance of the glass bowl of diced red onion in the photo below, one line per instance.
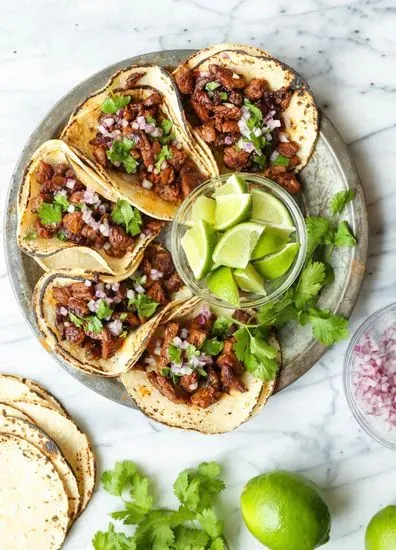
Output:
(370, 376)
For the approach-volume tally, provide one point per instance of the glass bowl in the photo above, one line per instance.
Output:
(248, 300)
(371, 333)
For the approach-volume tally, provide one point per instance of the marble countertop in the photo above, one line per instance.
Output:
(347, 52)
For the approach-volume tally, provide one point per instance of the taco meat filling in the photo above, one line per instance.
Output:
(194, 363)
(246, 120)
(69, 211)
(98, 316)
(136, 137)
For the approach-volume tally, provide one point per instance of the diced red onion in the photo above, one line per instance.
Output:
(92, 305)
(249, 147)
(63, 311)
(130, 294)
(115, 134)
(124, 123)
(149, 360)
(115, 327)
(147, 184)
(273, 123)
(157, 132)
(71, 208)
(139, 289)
(181, 369)
(102, 209)
(287, 121)
(243, 128)
(135, 125)
(70, 183)
(155, 274)
(177, 342)
(157, 350)
(245, 113)
(257, 132)
(104, 228)
(104, 131)
(283, 138)
(164, 165)
(184, 333)
(100, 294)
(108, 122)
(116, 163)
(228, 140)
(115, 287)
(274, 156)
(87, 282)
(66, 324)
(150, 168)
(107, 245)
(90, 196)
(269, 115)
(61, 193)
(89, 219)
(225, 55)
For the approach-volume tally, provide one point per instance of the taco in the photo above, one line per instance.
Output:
(189, 375)
(256, 113)
(135, 132)
(68, 218)
(98, 324)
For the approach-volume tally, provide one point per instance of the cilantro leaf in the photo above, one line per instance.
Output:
(191, 352)
(310, 283)
(281, 160)
(164, 154)
(327, 327)
(114, 103)
(221, 326)
(30, 236)
(62, 201)
(174, 354)
(131, 515)
(103, 310)
(61, 236)
(143, 304)
(242, 342)
(211, 86)
(78, 321)
(212, 346)
(259, 357)
(49, 213)
(111, 540)
(195, 488)
(270, 313)
(255, 112)
(317, 230)
(119, 152)
(209, 523)
(124, 214)
(218, 544)
(94, 324)
(260, 160)
(115, 481)
(155, 532)
(341, 199)
(344, 235)
(190, 539)
(166, 126)
(223, 96)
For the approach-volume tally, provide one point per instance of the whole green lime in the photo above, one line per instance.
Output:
(284, 511)
(381, 531)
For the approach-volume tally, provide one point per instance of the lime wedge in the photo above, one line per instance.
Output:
(272, 240)
(234, 184)
(232, 209)
(236, 245)
(203, 209)
(267, 208)
(277, 264)
(222, 284)
(249, 280)
(198, 243)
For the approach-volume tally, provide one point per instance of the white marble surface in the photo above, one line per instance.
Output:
(347, 51)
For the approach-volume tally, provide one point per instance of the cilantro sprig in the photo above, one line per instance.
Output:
(119, 152)
(124, 214)
(258, 356)
(114, 103)
(194, 525)
(144, 306)
(299, 303)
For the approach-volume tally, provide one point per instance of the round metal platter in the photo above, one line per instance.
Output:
(329, 170)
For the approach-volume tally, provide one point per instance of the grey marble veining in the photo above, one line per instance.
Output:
(347, 51)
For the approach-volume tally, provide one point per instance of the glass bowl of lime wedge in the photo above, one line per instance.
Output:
(239, 241)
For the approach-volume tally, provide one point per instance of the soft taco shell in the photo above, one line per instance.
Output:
(81, 129)
(13, 388)
(123, 359)
(43, 443)
(39, 390)
(223, 416)
(302, 113)
(34, 505)
(53, 254)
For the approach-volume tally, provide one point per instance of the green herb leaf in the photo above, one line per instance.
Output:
(190, 539)
(111, 540)
(61, 236)
(174, 354)
(212, 346)
(259, 357)
(191, 352)
(103, 310)
(327, 327)
(49, 213)
(195, 488)
(62, 201)
(120, 153)
(310, 283)
(211, 86)
(117, 480)
(143, 304)
(209, 523)
(223, 96)
(123, 316)
(341, 199)
(221, 326)
(269, 313)
(166, 126)
(78, 321)
(94, 324)
(151, 120)
(30, 236)
(317, 230)
(124, 214)
(114, 103)
(260, 160)
(281, 160)
(242, 342)
(255, 112)
(344, 235)
(164, 154)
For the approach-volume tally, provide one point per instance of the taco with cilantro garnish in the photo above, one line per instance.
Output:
(67, 216)
(256, 113)
(100, 325)
(203, 371)
(134, 131)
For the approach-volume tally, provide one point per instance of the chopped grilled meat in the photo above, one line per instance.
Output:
(189, 382)
(190, 179)
(236, 159)
(213, 379)
(153, 226)
(173, 284)
(62, 294)
(286, 179)
(93, 349)
(228, 79)
(53, 185)
(294, 161)
(165, 386)
(82, 291)
(77, 197)
(146, 267)
(228, 112)
(45, 231)
(201, 110)
(169, 193)
(73, 222)
(110, 344)
(230, 380)
(196, 337)
(120, 241)
(44, 172)
(36, 203)
(230, 359)
(78, 306)
(283, 97)
(165, 178)
(171, 330)
(154, 99)
(207, 132)
(204, 397)
(157, 293)
(178, 157)
(185, 80)
(162, 260)
(288, 149)
(99, 153)
(236, 98)
(256, 88)
(75, 335)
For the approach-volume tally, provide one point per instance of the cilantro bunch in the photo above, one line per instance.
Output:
(194, 525)
(124, 214)
(299, 303)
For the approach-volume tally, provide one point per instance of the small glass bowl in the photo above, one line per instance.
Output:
(374, 426)
(248, 300)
